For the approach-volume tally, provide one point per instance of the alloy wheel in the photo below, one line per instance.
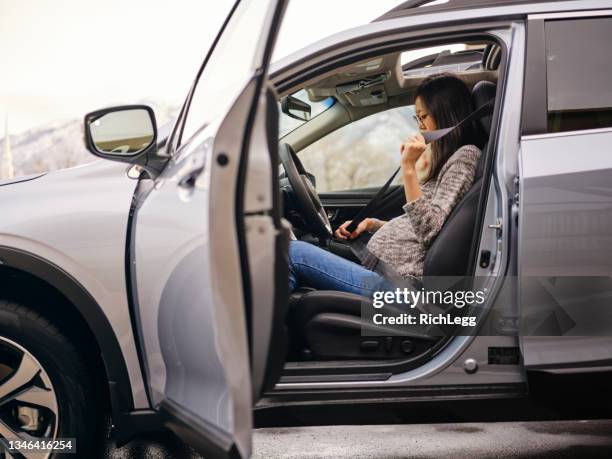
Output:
(28, 402)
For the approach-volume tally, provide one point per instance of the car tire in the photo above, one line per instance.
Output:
(61, 375)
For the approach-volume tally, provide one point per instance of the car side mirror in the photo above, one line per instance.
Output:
(295, 108)
(124, 133)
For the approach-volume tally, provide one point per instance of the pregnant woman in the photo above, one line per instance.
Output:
(434, 179)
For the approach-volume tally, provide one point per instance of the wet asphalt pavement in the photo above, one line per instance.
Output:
(161, 446)
(547, 439)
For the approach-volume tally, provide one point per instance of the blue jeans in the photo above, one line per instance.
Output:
(311, 266)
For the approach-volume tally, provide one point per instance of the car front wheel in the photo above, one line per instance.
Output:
(46, 392)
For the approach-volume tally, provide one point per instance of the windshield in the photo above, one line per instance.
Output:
(288, 124)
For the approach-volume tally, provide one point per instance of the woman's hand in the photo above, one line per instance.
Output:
(368, 224)
(411, 151)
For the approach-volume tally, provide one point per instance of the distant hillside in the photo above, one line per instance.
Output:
(60, 144)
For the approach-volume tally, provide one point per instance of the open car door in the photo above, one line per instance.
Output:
(209, 249)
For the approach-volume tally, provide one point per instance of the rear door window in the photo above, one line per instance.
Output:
(579, 74)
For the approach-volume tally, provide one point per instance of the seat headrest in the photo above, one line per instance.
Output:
(482, 92)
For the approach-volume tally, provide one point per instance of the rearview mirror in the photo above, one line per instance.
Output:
(121, 133)
(295, 108)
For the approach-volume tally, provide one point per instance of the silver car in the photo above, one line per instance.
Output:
(151, 290)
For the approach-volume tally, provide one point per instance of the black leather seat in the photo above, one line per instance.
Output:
(327, 325)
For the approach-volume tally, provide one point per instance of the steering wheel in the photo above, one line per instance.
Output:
(305, 194)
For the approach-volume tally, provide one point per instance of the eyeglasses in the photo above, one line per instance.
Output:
(420, 119)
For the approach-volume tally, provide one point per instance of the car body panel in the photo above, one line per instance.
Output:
(76, 219)
(24, 178)
(565, 248)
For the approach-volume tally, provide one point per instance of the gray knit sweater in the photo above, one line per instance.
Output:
(402, 243)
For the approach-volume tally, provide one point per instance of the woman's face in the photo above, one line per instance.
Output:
(424, 118)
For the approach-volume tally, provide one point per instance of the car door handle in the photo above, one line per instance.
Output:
(189, 179)
(332, 214)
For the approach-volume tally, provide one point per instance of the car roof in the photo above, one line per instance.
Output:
(453, 10)
(415, 7)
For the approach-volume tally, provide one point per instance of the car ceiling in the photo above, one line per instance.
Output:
(376, 80)
(366, 87)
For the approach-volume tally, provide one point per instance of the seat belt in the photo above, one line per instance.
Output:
(429, 136)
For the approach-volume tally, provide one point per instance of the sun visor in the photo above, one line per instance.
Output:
(365, 92)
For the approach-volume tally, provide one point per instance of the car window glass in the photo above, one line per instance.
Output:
(362, 154)
(455, 57)
(230, 64)
(288, 124)
(578, 72)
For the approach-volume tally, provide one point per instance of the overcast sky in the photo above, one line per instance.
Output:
(63, 58)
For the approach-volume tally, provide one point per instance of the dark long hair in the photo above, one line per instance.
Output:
(448, 100)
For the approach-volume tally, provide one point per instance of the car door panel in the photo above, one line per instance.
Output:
(344, 205)
(191, 308)
(565, 255)
(199, 236)
(264, 229)
(564, 199)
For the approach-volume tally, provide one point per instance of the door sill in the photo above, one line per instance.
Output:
(301, 397)
(356, 370)
(290, 379)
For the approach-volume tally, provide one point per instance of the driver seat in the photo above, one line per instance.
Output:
(327, 325)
